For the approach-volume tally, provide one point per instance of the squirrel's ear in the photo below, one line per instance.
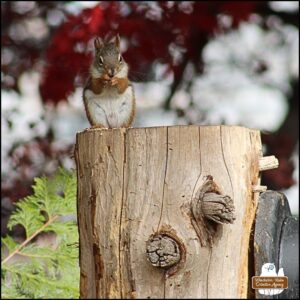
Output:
(98, 43)
(117, 41)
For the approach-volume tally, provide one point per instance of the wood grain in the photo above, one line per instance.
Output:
(135, 182)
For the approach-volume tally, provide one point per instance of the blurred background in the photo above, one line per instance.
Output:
(206, 63)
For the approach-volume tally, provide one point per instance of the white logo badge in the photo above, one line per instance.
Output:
(269, 270)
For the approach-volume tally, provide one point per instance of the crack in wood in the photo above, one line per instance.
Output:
(121, 212)
(225, 164)
(166, 167)
(207, 272)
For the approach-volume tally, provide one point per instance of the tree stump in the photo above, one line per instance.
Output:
(166, 212)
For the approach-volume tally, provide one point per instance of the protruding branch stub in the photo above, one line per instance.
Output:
(268, 163)
(210, 207)
(163, 251)
(218, 208)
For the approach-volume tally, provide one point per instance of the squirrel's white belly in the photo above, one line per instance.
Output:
(110, 108)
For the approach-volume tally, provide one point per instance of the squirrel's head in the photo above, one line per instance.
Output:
(108, 59)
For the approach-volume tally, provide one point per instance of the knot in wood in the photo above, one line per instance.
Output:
(163, 251)
(218, 208)
(210, 209)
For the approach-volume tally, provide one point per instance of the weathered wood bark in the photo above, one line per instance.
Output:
(134, 184)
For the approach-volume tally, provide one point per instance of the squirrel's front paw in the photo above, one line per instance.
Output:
(114, 81)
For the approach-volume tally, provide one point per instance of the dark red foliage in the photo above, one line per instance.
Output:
(282, 147)
(63, 61)
(149, 33)
(241, 13)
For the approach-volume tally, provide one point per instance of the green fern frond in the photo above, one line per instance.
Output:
(34, 271)
(9, 243)
(27, 208)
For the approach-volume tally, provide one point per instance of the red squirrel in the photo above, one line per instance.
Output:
(108, 95)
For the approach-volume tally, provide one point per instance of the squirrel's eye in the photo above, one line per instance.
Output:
(101, 60)
(120, 58)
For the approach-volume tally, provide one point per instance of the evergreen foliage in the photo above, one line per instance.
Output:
(37, 271)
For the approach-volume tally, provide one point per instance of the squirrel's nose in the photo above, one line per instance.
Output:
(111, 72)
